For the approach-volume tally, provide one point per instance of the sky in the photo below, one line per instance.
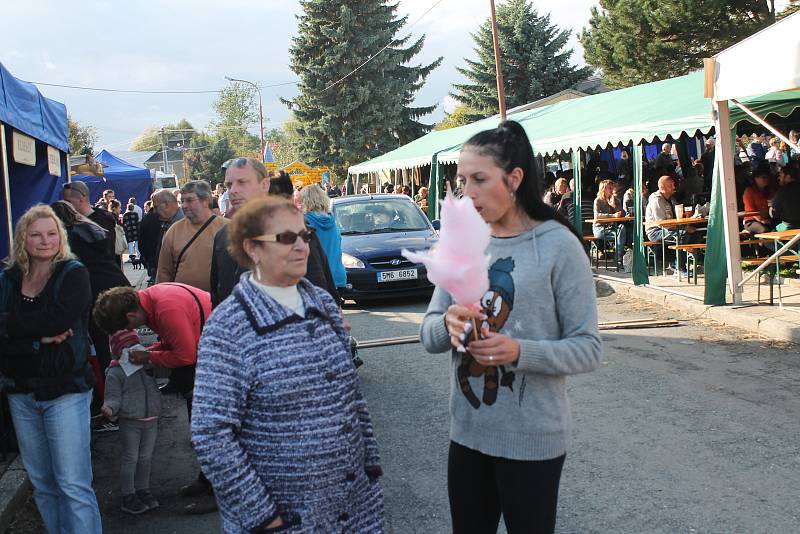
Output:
(191, 45)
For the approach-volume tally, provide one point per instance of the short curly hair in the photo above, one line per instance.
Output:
(112, 306)
(249, 222)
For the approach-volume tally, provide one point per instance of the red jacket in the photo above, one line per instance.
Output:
(174, 315)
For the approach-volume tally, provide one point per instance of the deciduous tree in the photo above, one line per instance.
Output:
(81, 138)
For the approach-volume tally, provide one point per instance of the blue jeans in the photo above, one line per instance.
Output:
(54, 441)
(133, 247)
(617, 235)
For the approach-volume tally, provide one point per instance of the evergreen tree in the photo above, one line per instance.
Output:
(638, 41)
(534, 61)
(369, 112)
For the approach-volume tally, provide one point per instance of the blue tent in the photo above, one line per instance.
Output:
(33, 132)
(124, 179)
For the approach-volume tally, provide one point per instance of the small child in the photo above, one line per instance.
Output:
(132, 396)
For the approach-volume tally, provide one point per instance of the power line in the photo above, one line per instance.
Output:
(376, 54)
(141, 91)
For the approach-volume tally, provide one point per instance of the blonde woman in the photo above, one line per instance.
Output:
(45, 297)
(317, 207)
(606, 205)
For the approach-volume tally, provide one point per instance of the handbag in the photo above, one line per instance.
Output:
(120, 242)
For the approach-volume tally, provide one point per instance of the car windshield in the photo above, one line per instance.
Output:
(379, 215)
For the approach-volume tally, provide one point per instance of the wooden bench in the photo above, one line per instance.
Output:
(755, 262)
(691, 258)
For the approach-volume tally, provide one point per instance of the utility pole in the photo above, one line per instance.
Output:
(164, 149)
(501, 88)
(260, 109)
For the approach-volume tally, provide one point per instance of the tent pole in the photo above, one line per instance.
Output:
(7, 185)
(722, 125)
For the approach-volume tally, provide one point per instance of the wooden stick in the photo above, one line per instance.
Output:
(616, 325)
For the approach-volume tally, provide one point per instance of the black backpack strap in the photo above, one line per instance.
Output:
(197, 300)
(189, 244)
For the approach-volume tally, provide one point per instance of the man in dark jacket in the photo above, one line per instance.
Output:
(246, 178)
(155, 224)
(77, 194)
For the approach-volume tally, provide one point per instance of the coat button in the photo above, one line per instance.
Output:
(347, 427)
(344, 516)
(330, 376)
(350, 477)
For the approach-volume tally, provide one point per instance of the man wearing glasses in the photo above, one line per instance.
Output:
(185, 255)
(247, 178)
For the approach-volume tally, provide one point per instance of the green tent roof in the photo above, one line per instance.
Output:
(642, 113)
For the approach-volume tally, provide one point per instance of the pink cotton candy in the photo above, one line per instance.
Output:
(458, 263)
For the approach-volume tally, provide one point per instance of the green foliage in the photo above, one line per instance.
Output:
(371, 111)
(535, 63)
(458, 117)
(639, 41)
(81, 138)
(792, 7)
(151, 138)
(284, 142)
(237, 110)
(205, 157)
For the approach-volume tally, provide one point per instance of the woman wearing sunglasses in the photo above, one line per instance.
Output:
(279, 424)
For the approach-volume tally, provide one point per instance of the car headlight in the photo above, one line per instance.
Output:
(351, 262)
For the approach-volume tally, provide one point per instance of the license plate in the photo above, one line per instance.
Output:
(395, 276)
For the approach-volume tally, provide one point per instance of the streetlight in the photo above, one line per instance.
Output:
(260, 109)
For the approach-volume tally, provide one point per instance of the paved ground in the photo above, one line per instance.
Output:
(688, 429)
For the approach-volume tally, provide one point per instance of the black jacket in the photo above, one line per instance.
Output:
(786, 204)
(149, 234)
(107, 222)
(225, 272)
(46, 370)
(88, 243)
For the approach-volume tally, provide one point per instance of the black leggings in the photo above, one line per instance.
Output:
(482, 486)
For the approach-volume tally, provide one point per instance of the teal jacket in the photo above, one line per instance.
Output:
(46, 370)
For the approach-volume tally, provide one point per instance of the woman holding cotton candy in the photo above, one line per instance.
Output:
(537, 323)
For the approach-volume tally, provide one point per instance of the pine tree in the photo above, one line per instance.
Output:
(370, 112)
(639, 41)
(534, 61)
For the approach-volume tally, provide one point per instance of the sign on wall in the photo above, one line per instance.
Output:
(54, 161)
(24, 149)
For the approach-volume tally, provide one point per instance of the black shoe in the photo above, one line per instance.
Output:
(168, 388)
(147, 499)
(205, 506)
(197, 487)
(132, 505)
(108, 426)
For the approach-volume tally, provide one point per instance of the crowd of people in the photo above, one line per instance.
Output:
(245, 306)
(766, 176)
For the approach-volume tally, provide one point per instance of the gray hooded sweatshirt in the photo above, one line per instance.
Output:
(542, 294)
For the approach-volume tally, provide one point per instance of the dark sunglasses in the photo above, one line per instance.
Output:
(285, 238)
(235, 162)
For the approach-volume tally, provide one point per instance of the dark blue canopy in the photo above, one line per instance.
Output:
(23, 107)
(24, 110)
(125, 179)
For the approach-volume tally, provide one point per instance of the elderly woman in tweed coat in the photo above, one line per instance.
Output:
(279, 424)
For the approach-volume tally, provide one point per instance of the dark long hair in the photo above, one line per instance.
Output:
(509, 146)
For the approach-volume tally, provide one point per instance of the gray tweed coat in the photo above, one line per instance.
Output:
(278, 422)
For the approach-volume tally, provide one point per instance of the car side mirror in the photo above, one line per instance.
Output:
(437, 224)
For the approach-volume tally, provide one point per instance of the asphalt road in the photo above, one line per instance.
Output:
(686, 429)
